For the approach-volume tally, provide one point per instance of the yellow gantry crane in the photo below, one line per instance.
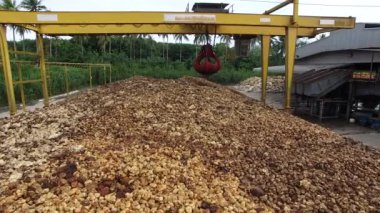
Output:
(109, 23)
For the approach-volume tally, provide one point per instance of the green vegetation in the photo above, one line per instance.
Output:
(129, 56)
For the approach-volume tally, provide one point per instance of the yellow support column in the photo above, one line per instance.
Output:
(110, 73)
(265, 46)
(290, 46)
(105, 75)
(22, 93)
(66, 81)
(90, 75)
(7, 71)
(40, 50)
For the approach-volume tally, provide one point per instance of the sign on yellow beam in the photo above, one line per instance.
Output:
(190, 18)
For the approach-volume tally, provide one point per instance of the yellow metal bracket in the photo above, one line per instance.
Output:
(29, 27)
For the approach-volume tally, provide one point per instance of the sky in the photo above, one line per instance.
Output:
(363, 10)
(363, 14)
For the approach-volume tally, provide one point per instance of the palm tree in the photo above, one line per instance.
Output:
(180, 38)
(11, 5)
(57, 44)
(132, 50)
(142, 37)
(80, 40)
(152, 45)
(165, 37)
(21, 31)
(110, 44)
(201, 39)
(8, 5)
(226, 39)
(50, 46)
(278, 47)
(33, 5)
(198, 40)
(102, 42)
(127, 41)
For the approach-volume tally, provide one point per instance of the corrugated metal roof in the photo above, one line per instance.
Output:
(362, 37)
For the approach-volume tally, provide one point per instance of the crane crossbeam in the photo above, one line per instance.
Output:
(136, 18)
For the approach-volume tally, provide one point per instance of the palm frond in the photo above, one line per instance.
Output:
(33, 5)
(9, 5)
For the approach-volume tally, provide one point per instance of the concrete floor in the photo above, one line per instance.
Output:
(273, 99)
(366, 135)
(36, 104)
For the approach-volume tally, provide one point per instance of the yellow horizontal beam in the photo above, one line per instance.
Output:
(81, 64)
(83, 18)
(167, 29)
(58, 63)
(22, 52)
(21, 62)
(27, 81)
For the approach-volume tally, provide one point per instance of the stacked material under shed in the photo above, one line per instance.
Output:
(253, 84)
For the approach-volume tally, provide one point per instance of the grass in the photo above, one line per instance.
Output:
(174, 70)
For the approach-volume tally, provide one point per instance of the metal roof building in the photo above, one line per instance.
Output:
(347, 46)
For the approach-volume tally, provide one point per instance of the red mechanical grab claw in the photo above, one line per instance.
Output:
(207, 63)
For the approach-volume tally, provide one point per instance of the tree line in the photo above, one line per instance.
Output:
(136, 48)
